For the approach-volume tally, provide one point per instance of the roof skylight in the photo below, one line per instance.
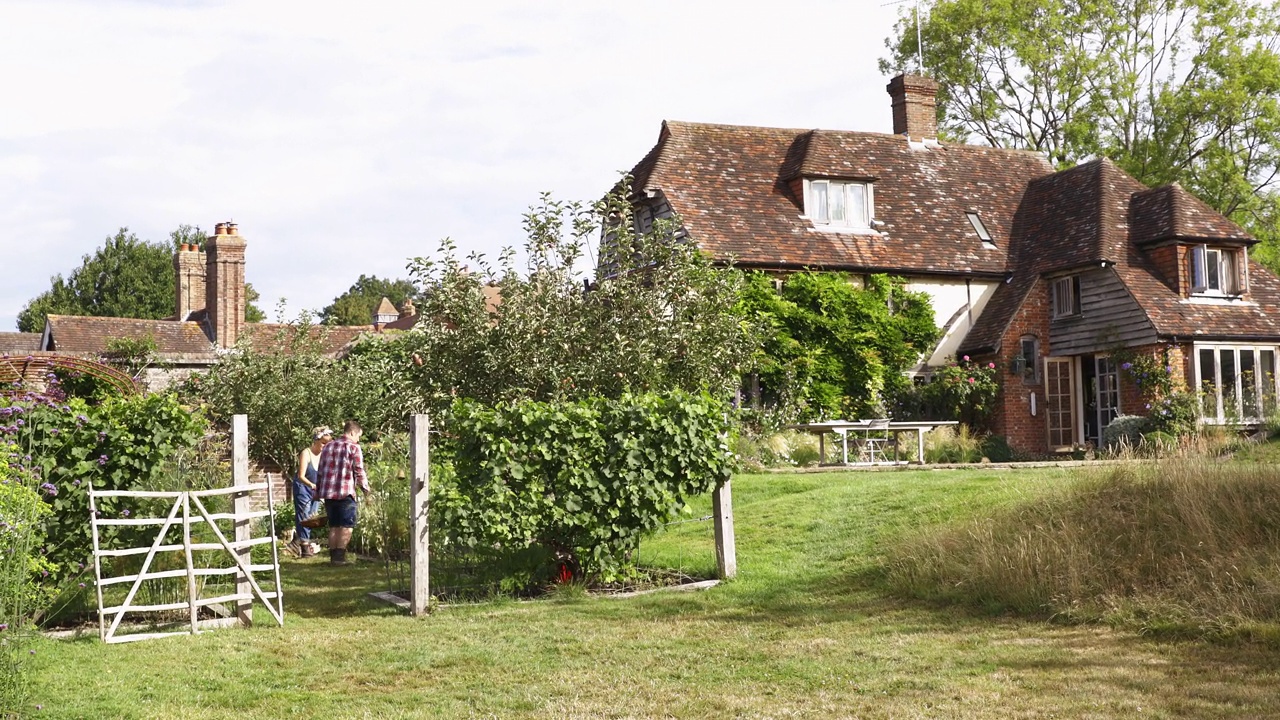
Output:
(980, 228)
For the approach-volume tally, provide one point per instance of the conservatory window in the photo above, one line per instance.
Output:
(1237, 382)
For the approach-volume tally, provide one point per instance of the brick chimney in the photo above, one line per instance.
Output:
(915, 105)
(224, 284)
(188, 265)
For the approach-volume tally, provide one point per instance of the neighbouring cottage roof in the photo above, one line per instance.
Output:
(19, 342)
(1095, 213)
(186, 340)
(733, 188)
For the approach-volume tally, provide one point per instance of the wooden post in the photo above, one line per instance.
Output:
(191, 567)
(726, 548)
(420, 477)
(241, 508)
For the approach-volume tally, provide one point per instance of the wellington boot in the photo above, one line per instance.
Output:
(337, 557)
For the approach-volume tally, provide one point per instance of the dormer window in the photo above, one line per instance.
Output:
(1216, 271)
(839, 203)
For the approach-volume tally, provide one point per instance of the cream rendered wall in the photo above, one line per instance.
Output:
(950, 297)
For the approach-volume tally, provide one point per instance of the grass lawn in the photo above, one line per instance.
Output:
(805, 631)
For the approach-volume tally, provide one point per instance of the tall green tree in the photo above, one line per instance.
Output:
(126, 277)
(1172, 90)
(356, 305)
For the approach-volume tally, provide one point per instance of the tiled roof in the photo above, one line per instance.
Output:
(731, 187)
(19, 342)
(1096, 212)
(80, 334)
(1170, 212)
(90, 335)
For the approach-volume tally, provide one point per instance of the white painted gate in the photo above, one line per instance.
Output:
(189, 509)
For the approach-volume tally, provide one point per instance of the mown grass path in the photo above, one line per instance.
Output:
(805, 632)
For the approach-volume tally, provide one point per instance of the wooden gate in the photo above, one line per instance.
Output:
(188, 509)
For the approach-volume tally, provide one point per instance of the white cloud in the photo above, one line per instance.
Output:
(345, 138)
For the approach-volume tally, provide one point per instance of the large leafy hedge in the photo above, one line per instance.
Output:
(584, 479)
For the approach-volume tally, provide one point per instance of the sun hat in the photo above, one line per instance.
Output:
(321, 432)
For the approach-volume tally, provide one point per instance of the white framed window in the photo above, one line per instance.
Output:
(839, 203)
(1237, 383)
(1065, 296)
(1217, 271)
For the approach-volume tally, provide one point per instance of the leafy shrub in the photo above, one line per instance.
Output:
(584, 480)
(996, 448)
(1125, 431)
(1177, 413)
(963, 390)
(806, 455)
(287, 385)
(122, 444)
(21, 566)
(1159, 442)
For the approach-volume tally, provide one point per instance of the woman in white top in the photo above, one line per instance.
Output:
(305, 502)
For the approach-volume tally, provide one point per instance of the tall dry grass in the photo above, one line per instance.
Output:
(1183, 546)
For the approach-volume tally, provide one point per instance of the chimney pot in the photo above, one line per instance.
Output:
(233, 229)
(220, 229)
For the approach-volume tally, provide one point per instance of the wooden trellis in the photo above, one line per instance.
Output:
(181, 515)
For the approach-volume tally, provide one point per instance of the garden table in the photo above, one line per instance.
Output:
(870, 446)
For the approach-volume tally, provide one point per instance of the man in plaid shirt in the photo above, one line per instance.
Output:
(341, 468)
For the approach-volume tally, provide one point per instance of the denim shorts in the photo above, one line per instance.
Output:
(342, 513)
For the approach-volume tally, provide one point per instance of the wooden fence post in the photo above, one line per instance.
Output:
(241, 508)
(419, 530)
(726, 547)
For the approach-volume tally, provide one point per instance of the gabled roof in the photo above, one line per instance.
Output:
(1096, 212)
(19, 342)
(731, 186)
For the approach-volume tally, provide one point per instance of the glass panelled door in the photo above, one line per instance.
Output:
(1107, 383)
(1060, 402)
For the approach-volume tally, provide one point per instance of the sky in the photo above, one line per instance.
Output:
(346, 138)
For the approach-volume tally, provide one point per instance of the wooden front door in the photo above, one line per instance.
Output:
(1060, 402)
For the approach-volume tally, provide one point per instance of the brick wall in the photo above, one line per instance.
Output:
(1012, 417)
(1170, 263)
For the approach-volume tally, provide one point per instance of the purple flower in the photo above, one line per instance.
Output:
(1126, 366)
(102, 459)
(4, 626)
(102, 435)
(81, 584)
(124, 513)
(49, 488)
